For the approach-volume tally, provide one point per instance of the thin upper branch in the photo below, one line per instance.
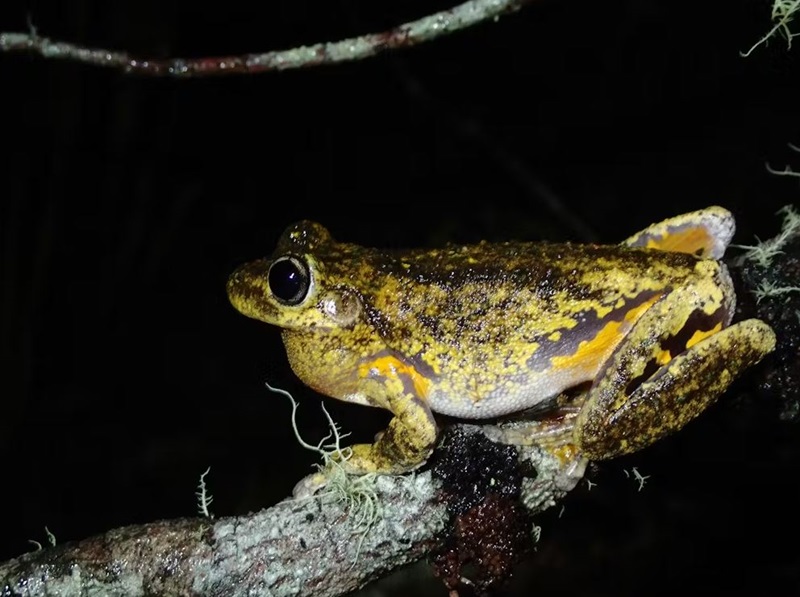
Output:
(406, 35)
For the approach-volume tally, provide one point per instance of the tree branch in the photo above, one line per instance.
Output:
(297, 547)
(406, 35)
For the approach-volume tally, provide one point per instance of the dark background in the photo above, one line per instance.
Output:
(127, 201)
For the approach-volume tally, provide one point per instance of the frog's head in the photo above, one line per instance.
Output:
(294, 289)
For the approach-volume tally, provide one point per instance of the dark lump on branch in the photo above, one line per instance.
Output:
(489, 529)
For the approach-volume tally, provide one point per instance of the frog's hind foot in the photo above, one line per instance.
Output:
(675, 393)
(550, 433)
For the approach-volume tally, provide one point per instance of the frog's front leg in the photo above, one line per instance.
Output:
(386, 382)
(410, 437)
(403, 446)
(676, 361)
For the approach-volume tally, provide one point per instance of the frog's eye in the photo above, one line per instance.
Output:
(288, 279)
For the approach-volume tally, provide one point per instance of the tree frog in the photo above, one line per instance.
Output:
(485, 330)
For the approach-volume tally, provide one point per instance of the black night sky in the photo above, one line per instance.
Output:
(127, 201)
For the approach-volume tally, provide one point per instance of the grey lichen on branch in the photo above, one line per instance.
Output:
(406, 35)
(297, 547)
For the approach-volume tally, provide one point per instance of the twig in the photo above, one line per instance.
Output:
(406, 35)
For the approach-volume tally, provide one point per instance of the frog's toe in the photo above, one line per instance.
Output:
(308, 486)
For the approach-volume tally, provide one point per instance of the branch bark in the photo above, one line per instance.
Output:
(406, 35)
(313, 546)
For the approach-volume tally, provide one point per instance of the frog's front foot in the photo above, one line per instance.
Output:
(338, 467)
(309, 485)
(360, 459)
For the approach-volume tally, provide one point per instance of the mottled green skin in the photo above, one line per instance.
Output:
(469, 318)
(483, 330)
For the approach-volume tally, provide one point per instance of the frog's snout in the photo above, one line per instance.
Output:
(248, 275)
(247, 288)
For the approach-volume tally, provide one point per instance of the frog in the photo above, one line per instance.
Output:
(642, 329)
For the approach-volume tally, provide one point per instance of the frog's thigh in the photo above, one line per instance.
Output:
(628, 409)
(407, 441)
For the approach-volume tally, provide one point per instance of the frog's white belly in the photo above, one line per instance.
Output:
(505, 398)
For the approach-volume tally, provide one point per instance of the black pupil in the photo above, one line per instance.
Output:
(288, 280)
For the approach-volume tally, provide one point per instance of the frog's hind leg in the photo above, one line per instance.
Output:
(656, 383)
(552, 433)
(703, 233)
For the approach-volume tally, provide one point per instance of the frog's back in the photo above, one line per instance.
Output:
(498, 328)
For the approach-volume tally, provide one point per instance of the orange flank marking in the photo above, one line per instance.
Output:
(591, 354)
(686, 240)
(393, 368)
(699, 335)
